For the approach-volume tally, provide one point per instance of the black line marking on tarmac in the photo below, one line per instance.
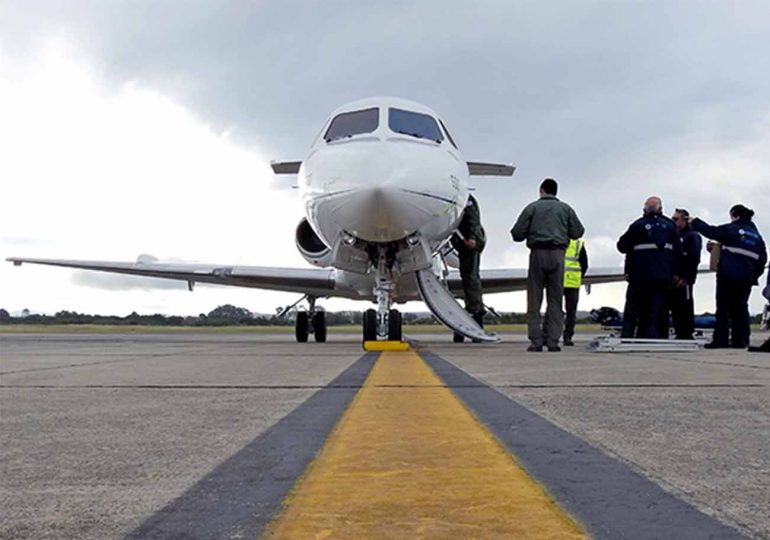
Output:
(606, 496)
(241, 495)
(339, 386)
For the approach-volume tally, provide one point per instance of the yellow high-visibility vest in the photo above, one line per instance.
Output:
(573, 277)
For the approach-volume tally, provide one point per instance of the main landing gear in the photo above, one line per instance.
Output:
(310, 322)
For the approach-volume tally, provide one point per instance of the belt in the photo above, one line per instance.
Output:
(547, 246)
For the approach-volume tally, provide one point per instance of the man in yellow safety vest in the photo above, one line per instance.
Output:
(575, 266)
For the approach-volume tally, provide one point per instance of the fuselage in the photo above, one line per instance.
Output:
(382, 170)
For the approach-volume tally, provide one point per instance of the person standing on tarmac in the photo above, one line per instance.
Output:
(653, 258)
(680, 298)
(742, 261)
(575, 266)
(469, 242)
(765, 347)
(547, 225)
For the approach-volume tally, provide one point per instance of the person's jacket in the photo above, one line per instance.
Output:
(547, 223)
(743, 254)
(692, 244)
(470, 227)
(653, 250)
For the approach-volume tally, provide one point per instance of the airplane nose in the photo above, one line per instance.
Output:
(382, 213)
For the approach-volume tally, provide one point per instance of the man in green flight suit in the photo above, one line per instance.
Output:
(469, 242)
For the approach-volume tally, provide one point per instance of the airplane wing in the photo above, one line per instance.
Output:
(313, 281)
(477, 168)
(515, 279)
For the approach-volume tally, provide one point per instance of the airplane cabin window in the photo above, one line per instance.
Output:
(353, 123)
(422, 126)
(448, 136)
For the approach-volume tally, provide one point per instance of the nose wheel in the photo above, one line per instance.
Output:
(371, 325)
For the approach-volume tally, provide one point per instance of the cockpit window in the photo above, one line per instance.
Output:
(422, 126)
(448, 136)
(353, 123)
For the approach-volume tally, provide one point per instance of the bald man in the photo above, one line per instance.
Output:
(653, 263)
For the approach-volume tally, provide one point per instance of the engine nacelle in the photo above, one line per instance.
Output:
(311, 247)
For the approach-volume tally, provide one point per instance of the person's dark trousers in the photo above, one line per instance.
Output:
(654, 315)
(682, 311)
(631, 310)
(571, 297)
(470, 260)
(546, 271)
(732, 313)
(645, 310)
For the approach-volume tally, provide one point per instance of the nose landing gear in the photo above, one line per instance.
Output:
(384, 322)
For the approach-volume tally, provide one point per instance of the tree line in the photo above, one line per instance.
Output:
(225, 315)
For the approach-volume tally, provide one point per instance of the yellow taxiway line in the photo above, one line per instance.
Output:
(407, 459)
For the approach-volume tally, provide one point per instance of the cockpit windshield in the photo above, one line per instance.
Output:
(353, 123)
(422, 126)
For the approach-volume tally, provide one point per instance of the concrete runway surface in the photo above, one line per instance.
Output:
(242, 435)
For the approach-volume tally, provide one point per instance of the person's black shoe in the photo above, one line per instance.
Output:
(739, 346)
(569, 343)
(554, 348)
(535, 348)
(765, 347)
(713, 345)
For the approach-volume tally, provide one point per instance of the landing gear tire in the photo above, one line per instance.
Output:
(394, 325)
(458, 338)
(370, 325)
(302, 327)
(319, 326)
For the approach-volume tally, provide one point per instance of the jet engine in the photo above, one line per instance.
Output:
(311, 247)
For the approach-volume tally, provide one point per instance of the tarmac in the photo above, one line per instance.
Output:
(246, 435)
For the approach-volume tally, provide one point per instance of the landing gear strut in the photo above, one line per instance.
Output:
(384, 322)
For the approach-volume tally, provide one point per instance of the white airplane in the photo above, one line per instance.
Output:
(384, 186)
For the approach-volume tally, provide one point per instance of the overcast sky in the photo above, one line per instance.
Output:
(148, 127)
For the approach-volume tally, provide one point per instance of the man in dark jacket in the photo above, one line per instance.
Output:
(742, 260)
(680, 298)
(547, 225)
(653, 259)
(469, 241)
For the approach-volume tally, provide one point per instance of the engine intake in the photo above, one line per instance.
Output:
(310, 246)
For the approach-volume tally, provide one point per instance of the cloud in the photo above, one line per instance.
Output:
(153, 122)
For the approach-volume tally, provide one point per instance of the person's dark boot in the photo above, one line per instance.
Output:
(713, 345)
(765, 347)
(479, 318)
(568, 342)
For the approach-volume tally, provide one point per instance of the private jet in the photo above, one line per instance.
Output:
(384, 187)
